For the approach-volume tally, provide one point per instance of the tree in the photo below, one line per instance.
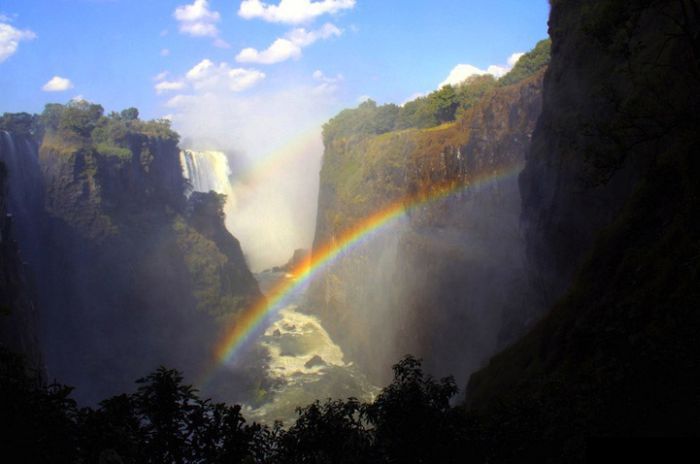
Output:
(330, 432)
(130, 114)
(412, 418)
(445, 104)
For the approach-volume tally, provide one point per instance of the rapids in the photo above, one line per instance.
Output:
(302, 363)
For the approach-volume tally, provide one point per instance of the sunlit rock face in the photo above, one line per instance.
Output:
(438, 282)
(130, 273)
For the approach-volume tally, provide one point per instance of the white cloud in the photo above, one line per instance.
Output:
(221, 43)
(207, 76)
(165, 52)
(512, 59)
(10, 37)
(320, 76)
(462, 72)
(161, 76)
(200, 70)
(413, 97)
(280, 50)
(327, 84)
(57, 84)
(363, 98)
(288, 47)
(169, 86)
(291, 11)
(197, 19)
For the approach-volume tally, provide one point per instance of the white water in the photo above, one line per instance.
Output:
(304, 364)
(207, 171)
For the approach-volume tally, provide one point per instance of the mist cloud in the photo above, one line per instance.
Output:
(274, 209)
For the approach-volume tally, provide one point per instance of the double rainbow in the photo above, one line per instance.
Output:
(249, 324)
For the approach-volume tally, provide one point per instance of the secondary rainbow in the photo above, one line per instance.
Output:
(246, 326)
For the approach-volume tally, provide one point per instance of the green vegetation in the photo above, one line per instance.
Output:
(529, 63)
(439, 107)
(447, 104)
(83, 124)
(20, 123)
(204, 261)
(165, 421)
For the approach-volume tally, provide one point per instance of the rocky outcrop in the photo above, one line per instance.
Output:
(131, 274)
(436, 281)
(609, 201)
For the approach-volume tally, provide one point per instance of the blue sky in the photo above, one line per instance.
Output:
(110, 50)
(255, 79)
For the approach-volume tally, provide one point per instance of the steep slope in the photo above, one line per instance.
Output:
(429, 283)
(131, 274)
(610, 182)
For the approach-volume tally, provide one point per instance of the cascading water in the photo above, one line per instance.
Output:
(207, 171)
(304, 364)
(20, 155)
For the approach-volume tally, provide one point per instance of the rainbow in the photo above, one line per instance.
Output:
(248, 325)
(277, 158)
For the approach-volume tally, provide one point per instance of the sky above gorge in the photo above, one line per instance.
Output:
(158, 54)
(255, 79)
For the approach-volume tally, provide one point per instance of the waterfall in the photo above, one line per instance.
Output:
(206, 171)
(209, 170)
(20, 155)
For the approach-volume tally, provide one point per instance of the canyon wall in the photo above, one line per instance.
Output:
(438, 282)
(610, 201)
(130, 273)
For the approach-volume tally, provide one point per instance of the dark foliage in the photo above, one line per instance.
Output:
(164, 421)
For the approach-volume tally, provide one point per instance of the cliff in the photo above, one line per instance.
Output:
(610, 200)
(131, 274)
(435, 282)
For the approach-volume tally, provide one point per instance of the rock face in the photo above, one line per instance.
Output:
(130, 273)
(609, 201)
(436, 281)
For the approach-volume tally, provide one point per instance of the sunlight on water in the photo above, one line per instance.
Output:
(297, 343)
(304, 365)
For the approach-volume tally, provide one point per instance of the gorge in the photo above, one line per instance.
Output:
(534, 235)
